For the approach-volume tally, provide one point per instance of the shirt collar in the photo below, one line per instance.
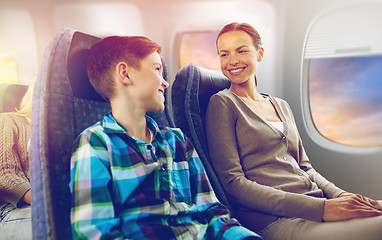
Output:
(110, 125)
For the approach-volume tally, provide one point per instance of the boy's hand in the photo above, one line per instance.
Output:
(348, 206)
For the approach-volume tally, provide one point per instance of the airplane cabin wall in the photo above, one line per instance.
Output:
(17, 48)
(353, 169)
(159, 20)
(162, 22)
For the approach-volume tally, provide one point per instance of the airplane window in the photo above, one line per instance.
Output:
(345, 99)
(198, 47)
(8, 70)
(19, 60)
(341, 78)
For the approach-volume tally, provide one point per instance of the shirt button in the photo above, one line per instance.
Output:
(283, 138)
(164, 167)
(171, 221)
(149, 147)
(284, 158)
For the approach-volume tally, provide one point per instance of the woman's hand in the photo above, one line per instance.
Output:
(372, 202)
(27, 197)
(348, 206)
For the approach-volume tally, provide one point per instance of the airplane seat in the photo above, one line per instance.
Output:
(64, 105)
(190, 94)
(11, 95)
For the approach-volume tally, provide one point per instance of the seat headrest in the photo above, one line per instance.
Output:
(11, 95)
(210, 83)
(76, 66)
(198, 84)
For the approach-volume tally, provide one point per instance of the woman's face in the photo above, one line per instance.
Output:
(238, 56)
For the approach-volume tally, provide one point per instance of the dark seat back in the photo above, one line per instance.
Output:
(64, 105)
(11, 95)
(190, 95)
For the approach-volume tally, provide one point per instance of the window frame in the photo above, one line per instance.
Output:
(312, 131)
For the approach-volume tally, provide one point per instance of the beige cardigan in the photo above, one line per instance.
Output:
(264, 171)
(14, 163)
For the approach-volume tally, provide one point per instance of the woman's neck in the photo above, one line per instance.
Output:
(246, 90)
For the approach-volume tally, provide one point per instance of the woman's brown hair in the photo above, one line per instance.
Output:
(245, 27)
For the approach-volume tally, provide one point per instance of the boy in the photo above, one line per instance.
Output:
(130, 179)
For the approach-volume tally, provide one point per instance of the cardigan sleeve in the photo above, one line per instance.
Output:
(14, 182)
(330, 190)
(224, 151)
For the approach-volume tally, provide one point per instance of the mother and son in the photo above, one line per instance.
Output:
(131, 179)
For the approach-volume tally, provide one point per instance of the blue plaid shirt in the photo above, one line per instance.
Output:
(124, 188)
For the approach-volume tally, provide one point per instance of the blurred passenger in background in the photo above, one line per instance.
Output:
(15, 194)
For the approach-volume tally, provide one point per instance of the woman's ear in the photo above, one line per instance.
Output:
(260, 55)
(122, 71)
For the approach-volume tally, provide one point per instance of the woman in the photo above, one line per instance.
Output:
(263, 166)
(15, 199)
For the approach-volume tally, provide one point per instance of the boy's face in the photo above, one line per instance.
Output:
(149, 83)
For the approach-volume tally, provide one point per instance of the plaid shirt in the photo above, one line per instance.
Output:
(124, 188)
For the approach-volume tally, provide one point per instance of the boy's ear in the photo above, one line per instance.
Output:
(122, 71)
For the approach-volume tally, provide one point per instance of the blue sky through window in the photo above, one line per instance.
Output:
(346, 100)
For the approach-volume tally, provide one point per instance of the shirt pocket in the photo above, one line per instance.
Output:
(180, 181)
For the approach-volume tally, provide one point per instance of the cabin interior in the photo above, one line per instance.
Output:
(297, 35)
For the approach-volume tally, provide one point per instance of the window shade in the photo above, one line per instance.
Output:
(351, 31)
